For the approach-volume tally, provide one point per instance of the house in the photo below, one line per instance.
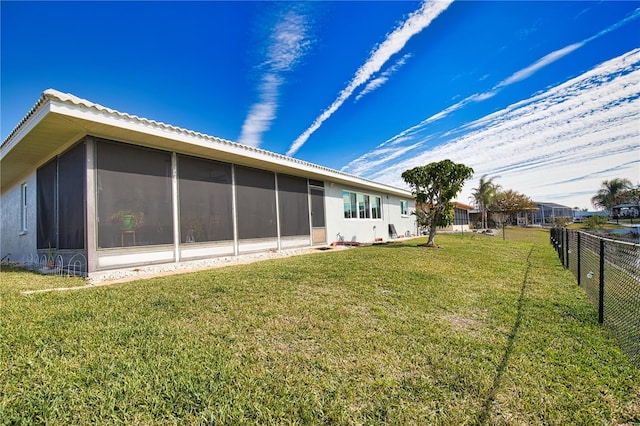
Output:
(460, 222)
(550, 213)
(107, 190)
(626, 211)
(461, 217)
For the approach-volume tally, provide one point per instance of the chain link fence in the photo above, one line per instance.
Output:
(609, 272)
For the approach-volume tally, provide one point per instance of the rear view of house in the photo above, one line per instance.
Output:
(106, 190)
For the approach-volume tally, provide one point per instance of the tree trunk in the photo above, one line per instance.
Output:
(432, 234)
(484, 215)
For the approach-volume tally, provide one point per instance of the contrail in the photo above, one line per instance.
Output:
(513, 78)
(415, 23)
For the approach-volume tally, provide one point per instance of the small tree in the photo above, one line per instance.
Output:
(595, 222)
(434, 186)
(508, 203)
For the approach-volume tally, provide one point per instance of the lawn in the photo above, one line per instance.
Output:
(481, 331)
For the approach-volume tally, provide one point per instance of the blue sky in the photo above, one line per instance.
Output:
(545, 95)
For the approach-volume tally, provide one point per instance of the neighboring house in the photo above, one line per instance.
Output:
(475, 218)
(550, 212)
(461, 217)
(107, 190)
(626, 211)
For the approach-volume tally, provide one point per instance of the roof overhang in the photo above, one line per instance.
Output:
(59, 120)
(464, 206)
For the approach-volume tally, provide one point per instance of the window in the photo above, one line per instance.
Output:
(361, 206)
(350, 205)
(364, 207)
(376, 210)
(23, 210)
(404, 208)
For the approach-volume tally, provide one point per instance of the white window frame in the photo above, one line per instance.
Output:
(404, 208)
(348, 196)
(24, 208)
(377, 202)
(364, 206)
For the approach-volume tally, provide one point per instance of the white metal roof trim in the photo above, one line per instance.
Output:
(52, 94)
(23, 121)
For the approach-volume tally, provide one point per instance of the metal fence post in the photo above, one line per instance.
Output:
(601, 292)
(578, 259)
(565, 243)
(561, 246)
(566, 247)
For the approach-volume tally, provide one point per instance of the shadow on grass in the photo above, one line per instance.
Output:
(486, 408)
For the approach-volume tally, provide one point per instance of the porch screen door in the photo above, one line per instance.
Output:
(319, 232)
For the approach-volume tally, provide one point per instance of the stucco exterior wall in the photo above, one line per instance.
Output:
(405, 224)
(15, 243)
(364, 230)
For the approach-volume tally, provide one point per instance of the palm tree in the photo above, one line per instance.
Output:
(611, 193)
(484, 195)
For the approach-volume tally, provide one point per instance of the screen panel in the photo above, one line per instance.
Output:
(47, 211)
(134, 195)
(256, 203)
(71, 205)
(293, 205)
(206, 200)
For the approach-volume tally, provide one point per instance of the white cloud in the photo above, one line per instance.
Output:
(516, 77)
(379, 157)
(556, 146)
(539, 64)
(262, 113)
(415, 23)
(288, 42)
(384, 77)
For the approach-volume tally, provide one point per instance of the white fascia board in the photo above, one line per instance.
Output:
(139, 125)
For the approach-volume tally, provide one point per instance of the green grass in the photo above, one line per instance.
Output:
(481, 331)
